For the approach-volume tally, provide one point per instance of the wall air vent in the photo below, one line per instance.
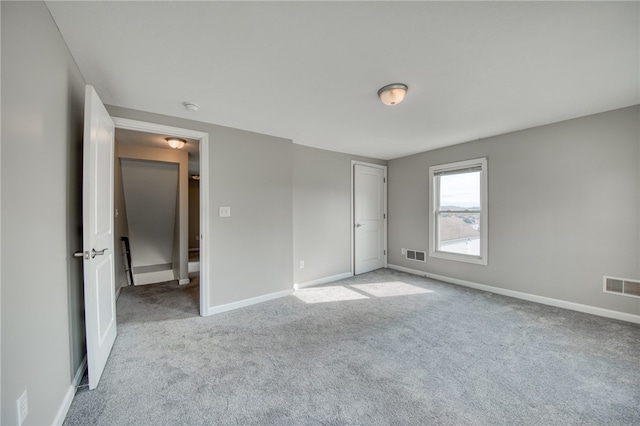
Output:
(417, 255)
(622, 286)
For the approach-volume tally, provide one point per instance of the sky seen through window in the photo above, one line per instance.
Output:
(460, 190)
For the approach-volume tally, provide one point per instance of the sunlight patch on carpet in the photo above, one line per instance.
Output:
(328, 294)
(337, 293)
(388, 289)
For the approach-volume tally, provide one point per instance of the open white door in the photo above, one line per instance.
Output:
(369, 218)
(97, 216)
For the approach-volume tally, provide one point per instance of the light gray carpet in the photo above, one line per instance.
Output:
(410, 351)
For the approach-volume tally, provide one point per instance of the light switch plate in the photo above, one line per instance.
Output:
(224, 211)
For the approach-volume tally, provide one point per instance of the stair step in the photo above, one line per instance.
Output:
(153, 277)
(194, 267)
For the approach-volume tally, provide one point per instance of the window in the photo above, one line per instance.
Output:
(458, 211)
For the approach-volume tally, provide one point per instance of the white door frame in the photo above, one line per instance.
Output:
(203, 137)
(353, 229)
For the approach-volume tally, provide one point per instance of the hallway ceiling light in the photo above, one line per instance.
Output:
(176, 143)
(392, 94)
(195, 177)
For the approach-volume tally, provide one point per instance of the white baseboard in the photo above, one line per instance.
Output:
(118, 291)
(324, 280)
(193, 267)
(71, 392)
(593, 310)
(183, 281)
(247, 302)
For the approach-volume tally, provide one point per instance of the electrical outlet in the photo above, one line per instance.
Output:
(23, 407)
(301, 264)
(403, 251)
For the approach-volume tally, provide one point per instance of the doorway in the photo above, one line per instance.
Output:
(202, 138)
(368, 217)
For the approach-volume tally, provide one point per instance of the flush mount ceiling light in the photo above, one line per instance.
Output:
(195, 177)
(176, 143)
(392, 94)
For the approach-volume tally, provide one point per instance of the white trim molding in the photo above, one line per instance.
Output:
(588, 309)
(248, 302)
(144, 126)
(203, 137)
(324, 280)
(71, 392)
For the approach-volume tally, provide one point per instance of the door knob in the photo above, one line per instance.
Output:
(358, 225)
(95, 252)
(84, 254)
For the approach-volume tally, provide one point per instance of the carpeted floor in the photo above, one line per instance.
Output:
(384, 348)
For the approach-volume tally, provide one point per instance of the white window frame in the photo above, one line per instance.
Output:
(434, 187)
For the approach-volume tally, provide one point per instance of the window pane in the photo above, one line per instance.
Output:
(458, 212)
(460, 191)
(459, 233)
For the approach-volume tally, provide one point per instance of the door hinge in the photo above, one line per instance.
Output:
(384, 180)
(384, 215)
(384, 252)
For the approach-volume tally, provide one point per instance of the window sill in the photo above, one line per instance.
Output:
(459, 257)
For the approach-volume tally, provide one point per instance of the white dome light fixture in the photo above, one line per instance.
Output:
(393, 94)
(176, 143)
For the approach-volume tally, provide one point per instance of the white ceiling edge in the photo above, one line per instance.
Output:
(309, 72)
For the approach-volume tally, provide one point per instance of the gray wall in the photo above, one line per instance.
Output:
(322, 209)
(180, 219)
(564, 203)
(251, 251)
(42, 309)
(151, 196)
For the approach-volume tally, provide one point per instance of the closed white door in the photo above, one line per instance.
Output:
(369, 218)
(97, 217)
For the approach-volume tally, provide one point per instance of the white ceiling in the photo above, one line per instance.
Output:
(309, 71)
(157, 141)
